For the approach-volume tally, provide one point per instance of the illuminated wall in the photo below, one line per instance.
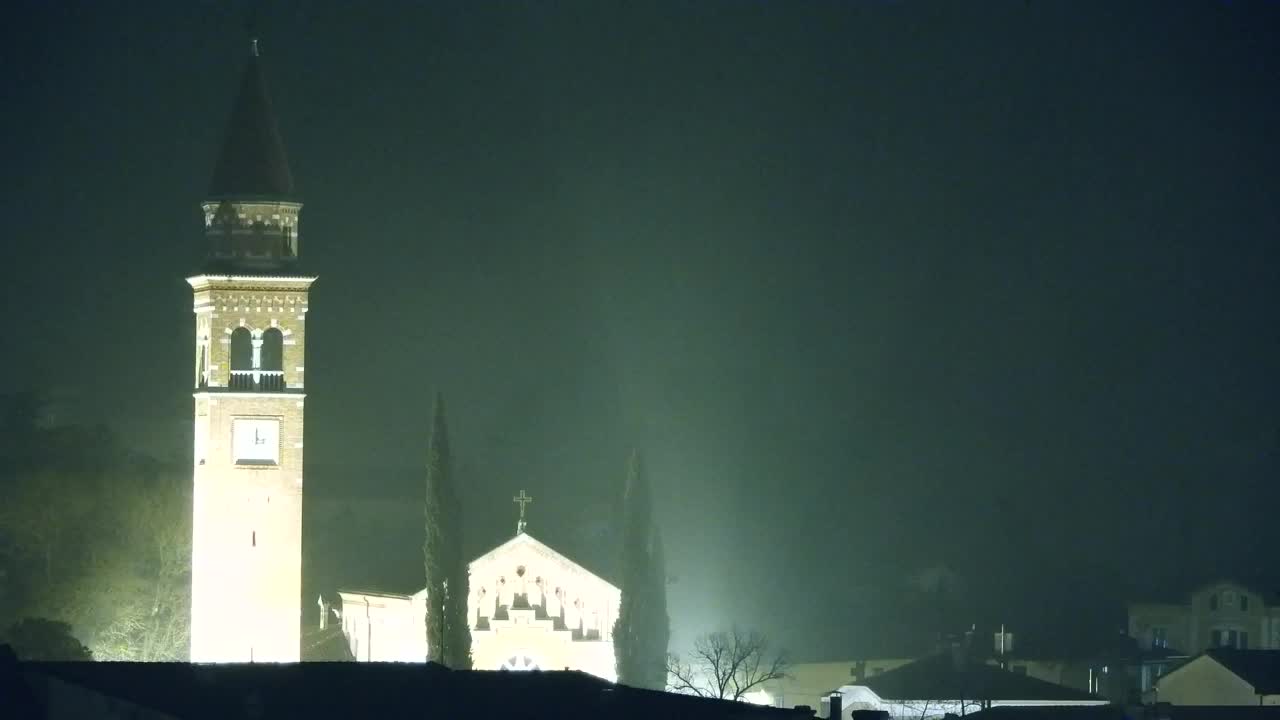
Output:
(531, 608)
(246, 564)
(1206, 681)
(384, 627)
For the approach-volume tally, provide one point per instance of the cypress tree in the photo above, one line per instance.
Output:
(448, 635)
(661, 621)
(457, 632)
(641, 631)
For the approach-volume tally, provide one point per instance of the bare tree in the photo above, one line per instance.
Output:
(932, 709)
(918, 709)
(140, 588)
(108, 553)
(727, 665)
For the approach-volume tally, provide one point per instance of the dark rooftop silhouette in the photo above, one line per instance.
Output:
(343, 689)
(938, 678)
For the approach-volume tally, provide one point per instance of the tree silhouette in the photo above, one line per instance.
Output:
(727, 665)
(642, 629)
(448, 633)
(38, 639)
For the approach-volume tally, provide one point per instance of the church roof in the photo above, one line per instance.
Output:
(400, 589)
(252, 162)
(527, 540)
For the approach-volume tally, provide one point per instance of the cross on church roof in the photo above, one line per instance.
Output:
(522, 499)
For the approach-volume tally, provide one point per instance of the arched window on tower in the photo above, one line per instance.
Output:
(273, 349)
(272, 359)
(202, 368)
(241, 359)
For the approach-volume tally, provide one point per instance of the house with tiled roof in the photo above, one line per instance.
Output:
(940, 684)
(1223, 613)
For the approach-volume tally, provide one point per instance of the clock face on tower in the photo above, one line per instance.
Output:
(256, 441)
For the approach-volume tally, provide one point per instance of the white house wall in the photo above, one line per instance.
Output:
(384, 628)
(1205, 681)
(861, 697)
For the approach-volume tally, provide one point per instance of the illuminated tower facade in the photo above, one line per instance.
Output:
(251, 310)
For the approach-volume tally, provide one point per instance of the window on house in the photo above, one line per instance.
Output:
(1151, 674)
(1213, 602)
(1230, 638)
(1244, 603)
(1159, 637)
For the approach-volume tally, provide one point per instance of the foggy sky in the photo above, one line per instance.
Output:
(877, 286)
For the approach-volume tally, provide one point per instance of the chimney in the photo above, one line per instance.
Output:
(836, 706)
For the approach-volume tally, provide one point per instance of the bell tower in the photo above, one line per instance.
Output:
(251, 310)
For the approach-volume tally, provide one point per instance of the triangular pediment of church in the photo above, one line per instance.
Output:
(526, 543)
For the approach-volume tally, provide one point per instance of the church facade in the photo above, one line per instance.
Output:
(251, 306)
(530, 608)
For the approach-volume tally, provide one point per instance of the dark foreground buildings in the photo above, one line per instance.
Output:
(160, 691)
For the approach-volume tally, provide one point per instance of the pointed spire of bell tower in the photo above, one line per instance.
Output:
(252, 163)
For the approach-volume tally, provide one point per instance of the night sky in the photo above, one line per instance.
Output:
(876, 286)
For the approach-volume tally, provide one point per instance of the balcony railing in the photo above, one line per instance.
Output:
(257, 380)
